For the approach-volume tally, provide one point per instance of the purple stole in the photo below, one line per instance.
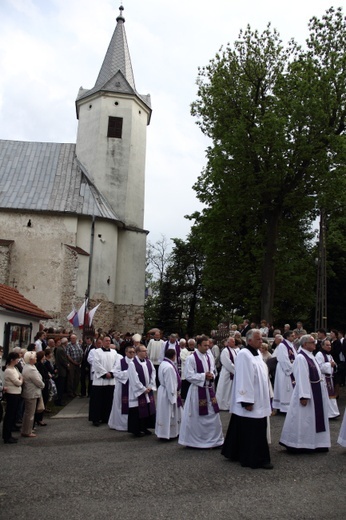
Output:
(329, 379)
(316, 393)
(142, 401)
(124, 390)
(202, 390)
(232, 359)
(290, 357)
(177, 350)
(179, 401)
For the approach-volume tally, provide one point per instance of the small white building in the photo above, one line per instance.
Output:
(19, 319)
(71, 215)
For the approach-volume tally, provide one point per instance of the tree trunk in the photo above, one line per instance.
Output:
(269, 264)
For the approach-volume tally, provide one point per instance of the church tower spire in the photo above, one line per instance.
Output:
(116, 73)
(117, 57)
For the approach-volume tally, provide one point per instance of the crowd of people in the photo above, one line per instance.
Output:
(177, 386)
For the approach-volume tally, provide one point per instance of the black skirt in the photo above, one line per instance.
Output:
(100, 404)
(246, 441)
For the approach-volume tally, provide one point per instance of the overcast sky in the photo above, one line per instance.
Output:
(49, 48)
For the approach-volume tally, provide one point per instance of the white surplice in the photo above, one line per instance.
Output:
(251, 385)
(342, 434)
(199, 431)
(136, 388)
(327, 370)
(154, 350)
(283, 387)
(299, 430)
(118, 420)
(168, 414)
(103, 362)
(224, 387)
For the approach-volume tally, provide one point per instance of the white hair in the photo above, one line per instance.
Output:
(31, 354)
(304, 339)
(251, 332)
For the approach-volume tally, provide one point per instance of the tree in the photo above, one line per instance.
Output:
(157, 259)
(180, 302)
(158, 256)
(276, 117)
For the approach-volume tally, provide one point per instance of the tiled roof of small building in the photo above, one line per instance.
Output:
(48, 177)
(12, 300)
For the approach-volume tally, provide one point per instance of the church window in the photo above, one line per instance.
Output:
(115, 127)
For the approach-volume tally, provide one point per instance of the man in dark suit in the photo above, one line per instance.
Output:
(246, 327)
(339, 355)
(61, 365)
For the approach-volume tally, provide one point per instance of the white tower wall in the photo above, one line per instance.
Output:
(116, 165)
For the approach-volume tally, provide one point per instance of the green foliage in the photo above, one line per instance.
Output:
(180, 303)
(276, 119)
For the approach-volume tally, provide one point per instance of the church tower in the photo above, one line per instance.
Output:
(111, 139)
(111, 148)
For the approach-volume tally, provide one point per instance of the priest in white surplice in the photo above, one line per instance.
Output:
(101, 398)
(284, 379)
(142, 382)
(169, 405)
(246, 439)
(224, 388)
(306, 426)
(154, 347)
(328, 367)
(201, 425)
(342, 434)
(120, 408)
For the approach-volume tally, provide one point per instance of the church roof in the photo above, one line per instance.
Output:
(12, 300)
(48, 177)
(116, 73)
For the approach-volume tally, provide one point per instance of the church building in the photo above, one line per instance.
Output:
(71, 215)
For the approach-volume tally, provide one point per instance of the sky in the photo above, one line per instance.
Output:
(49, 48)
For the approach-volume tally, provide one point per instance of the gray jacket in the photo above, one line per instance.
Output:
(33, 382)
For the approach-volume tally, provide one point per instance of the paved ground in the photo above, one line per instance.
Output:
(77, 471)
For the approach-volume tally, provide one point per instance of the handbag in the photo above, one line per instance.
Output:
(40, 405)
(53, 393)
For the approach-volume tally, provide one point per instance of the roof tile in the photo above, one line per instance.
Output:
(12, 300)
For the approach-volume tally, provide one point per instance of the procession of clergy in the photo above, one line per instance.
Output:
(187, 407)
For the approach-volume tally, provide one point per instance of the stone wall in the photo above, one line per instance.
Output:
(69, 284)
(129, 318)
(104, 316)
(5, 257)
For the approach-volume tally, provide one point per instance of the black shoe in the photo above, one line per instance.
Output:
(96, 423)
(147, 432)
(140, 434)
(267, 466)
(11, 440)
